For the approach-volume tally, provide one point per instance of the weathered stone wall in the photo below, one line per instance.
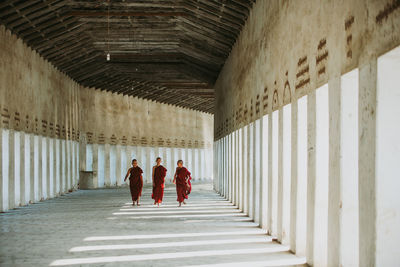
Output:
(34, 96)
(289, 48)
(37, 98)
(117, 119)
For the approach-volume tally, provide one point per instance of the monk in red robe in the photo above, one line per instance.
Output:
(159, 173)
(182, 180)
(135, 182)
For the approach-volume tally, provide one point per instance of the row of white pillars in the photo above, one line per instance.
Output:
(321, 174)
(111, 162)
(34, 168)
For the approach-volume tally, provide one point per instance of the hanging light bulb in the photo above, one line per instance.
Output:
(108, 32)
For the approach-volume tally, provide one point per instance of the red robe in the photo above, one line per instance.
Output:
(183, 185)
(159, 179)
(136, 183)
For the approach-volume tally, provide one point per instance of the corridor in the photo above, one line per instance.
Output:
(101, 228)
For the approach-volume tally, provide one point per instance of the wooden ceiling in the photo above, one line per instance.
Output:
(170, 51)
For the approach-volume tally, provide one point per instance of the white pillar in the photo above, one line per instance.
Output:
(310, 178)
(58, 171)
(39, 165)
(321, 176)
(257, 169)
(113, 165)
(275, 173)
(302, 165)
(22, 176)
(53, 167)
(68, 165)
(11, 170)
(293, 178)
(27, 168)
(250, 170)
(279, 165)
(366, 164)
(240, 168)
(264, 172)
(17, 168)
(388, 159)
(107, 164)
(31, 168)
(236, 160)
(2, 189)
(64, 174)
(286, 172)
(46, 169)
(95, 164)
(150, 162)
(269, 176)
(101, 165)
(118, 165)
(347, 242)
(245, 143)
(334, 232)
(73, 164)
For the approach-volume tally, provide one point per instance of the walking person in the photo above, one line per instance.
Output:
(182, 180)
(135, 182)
(158, 176)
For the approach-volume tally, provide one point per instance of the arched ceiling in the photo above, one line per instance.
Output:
(170, 51)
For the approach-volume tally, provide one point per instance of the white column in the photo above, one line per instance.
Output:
(302, 164)
(230, 167)
(293, 178)
(279, 164)
(113, 165)
(53, 166)
(63, 182)
(118, 165)
(321, 176)
(250, 170)
(240, 168)
(236, 160)
(11, 170)
(27, 168)
(95, 164)
(310, 178)
(203, 163)
(245, 141)
(150, 162)
(388, 159)
(68, 165)
(17, 168)
(40, 168)
(264, 172)
(124, 163)
(189, 162)
(101, 166)
(334, 232)
(2, 189)
(107, 164)
(366, 164)
(22, 200)
(46, 168)
(286, 172)
(270, 183)
(58, 167)
(32, 168)
(73, 164)
(347, 243)
(257, 169)
(275, 173)
(77, 160)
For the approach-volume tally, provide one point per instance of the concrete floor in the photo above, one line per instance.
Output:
(101, 228)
